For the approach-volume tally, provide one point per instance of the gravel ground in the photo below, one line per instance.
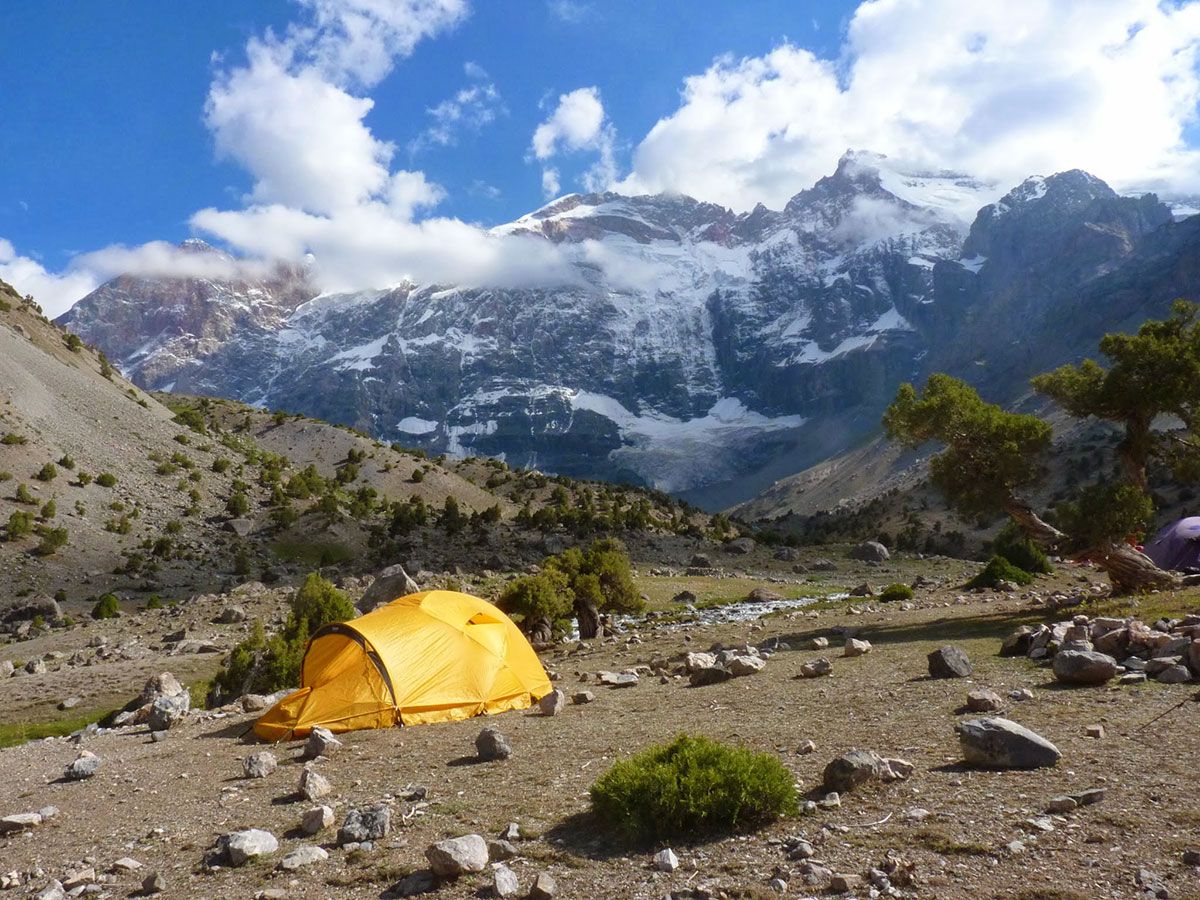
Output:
(165, 804)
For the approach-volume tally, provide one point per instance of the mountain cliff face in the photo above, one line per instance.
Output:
(699, 351)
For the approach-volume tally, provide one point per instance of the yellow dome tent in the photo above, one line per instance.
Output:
(436, 656)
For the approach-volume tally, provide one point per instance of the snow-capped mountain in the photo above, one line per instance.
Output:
(698, 350)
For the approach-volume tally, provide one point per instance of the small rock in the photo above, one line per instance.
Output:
(581, 697)
(242, 846)
(1021, 694)
(259, 765)
(85, 765)
(617, 679)
(321, 742)
(371, 824)
(841, 884)
(552, 704)
(316, 819)
(19, 822)
(665, 860)
(154, 883)
(1095, 731)
(420, 882)
(763, 595)
(806, 748)
(949, 662)
(492, 745)
(168, 711)
(314, 785)
(69, 703)
(126, 864)
(832, 800)
(1090, 796)
(504, 882)
(741, 666)
(302, 857)
(231, 615)
(456, 856)
(1060, 805)
(1003, 744)
(983, 700)
(544, 887)
(511, 832)
(816, 668)
(1191, 857)
(866, 589)
(500, 850)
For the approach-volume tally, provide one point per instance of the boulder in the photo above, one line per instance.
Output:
(166, 712)
(617, 679)
(1177, 674)
(581, 697)
(22, 609)
(740, 546)
(35, 666)
(823, 565)
(870, 551)
(949, 662)
(544, 887)
(763, 595)
(552, 704)
(321, 742)
(866, 589)
(390, 584)
(314, 785)
(1018, 643)
(19, 822)
(1084, 667)
(740, 666)
(457, 856)
(85, 765)
(259, 765)
(505, 882)
(714, 674)
(231, 615)
(371, 824)
(998, 743)
(787, 554)
(856, 647)
(316, 820)
(816, 668)
(492, 745)
(856, 767)
(700, 561)
(695, 661)
(240, 847)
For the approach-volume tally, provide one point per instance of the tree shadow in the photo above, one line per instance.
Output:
(236, 730)
(474, 760)
(995, 625)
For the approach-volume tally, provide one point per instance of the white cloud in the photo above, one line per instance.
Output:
(55, 293)
(998, 90)
(577, 123)
(469, 110)
(570, 11)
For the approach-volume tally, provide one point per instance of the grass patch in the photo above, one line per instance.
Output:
(940, 840)
(14, 733)
(312, 554)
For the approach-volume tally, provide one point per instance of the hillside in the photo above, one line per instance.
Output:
(169, 495)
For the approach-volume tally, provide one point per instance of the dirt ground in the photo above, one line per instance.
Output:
(164, 804)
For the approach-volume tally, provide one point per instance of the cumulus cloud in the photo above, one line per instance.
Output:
(54, 292)
(998, 90)
(578, 123)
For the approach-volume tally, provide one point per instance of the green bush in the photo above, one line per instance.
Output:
(23, 496)
(53, 540)
(221, 464)
(74, 344)
(263, 665)
(48, 472)
(106, 607)
(12, 439)
(237, 505)
(1014, 545)
(692, 788)
(20, 524)
(106, 479)
(999, 569)
(66, 461)
(894, 592)
(155, 602)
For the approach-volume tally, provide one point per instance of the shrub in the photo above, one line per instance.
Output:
(237, 505)
(106, 607)
(999, 569)
(85, 479)
(48, 472)
(418, 476)
(221, 463)
(20, 523)
(12, 439)
(53, 540)
(155, 602)
(67, 462)
(691, 788)
(49, 510)
(264, 665)
(1014, 545)
(106, 479)
(895, 592)
(74, 344)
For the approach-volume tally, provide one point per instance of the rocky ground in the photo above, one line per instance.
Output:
(938, 826)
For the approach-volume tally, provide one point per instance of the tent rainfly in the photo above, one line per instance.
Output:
(436, 656)
(1177, 547)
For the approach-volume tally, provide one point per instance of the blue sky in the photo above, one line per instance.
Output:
(377, 136)
(102, 103)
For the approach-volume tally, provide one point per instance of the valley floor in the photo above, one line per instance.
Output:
(164, 804)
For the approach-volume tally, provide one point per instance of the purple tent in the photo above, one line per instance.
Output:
(1177, 546)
